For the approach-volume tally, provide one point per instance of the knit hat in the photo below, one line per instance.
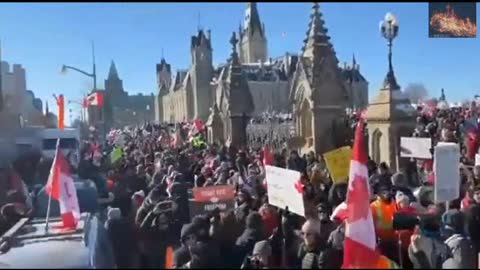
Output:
(187, 230)
(262, 248)
(114, 213)
(454, 219)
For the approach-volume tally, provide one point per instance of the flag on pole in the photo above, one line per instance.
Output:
(360, 238)
(95, 99)
(60, 187)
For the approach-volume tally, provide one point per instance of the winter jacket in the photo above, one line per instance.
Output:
(432, 254)
(463, 251)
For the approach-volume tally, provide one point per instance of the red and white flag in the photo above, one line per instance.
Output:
(94, 99)
(360, 239)
(268, 157)
(60, 187)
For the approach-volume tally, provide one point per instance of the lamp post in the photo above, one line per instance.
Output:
(389, 30)
(93, 75)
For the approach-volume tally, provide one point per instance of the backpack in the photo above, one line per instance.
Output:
(462, 250)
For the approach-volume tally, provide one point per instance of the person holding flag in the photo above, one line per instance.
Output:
(60, 186)
(360, 246)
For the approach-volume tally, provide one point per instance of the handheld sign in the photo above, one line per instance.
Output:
(206, 199)
(283, 189)
(415, 147)
(447, 172)
(338, 163)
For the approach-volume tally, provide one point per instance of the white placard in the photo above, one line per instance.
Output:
(282, 191)
(477, 159)
(412, 147)
(447, 172)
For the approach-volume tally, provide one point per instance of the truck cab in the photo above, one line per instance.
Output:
(29, 245)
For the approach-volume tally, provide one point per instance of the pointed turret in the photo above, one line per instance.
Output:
(112, 73)
(354, 62)
(442, 95)
(252, 38)
(317, 34)
(252, 20)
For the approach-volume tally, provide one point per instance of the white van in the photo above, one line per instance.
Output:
(69, 143)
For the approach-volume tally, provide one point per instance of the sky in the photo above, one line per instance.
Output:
(44, 36)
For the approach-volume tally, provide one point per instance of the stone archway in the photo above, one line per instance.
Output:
(376, 140)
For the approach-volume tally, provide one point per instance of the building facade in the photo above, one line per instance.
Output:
(191, 93)
(17, 100)
(120, 109)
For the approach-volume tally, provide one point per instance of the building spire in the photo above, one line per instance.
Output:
(112, 73)
(317, 33)
(354, 62)
(252, 19)
(442, 95)
(234, 55)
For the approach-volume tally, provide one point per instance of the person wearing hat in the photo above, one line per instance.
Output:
(427, 250)
(463, 253)
(383, 211)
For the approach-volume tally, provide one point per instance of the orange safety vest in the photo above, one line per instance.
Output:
(383, 217)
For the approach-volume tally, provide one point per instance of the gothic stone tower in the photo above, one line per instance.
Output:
(235, 101)
(318, 94)
(201, 74)
(164, 80)
(253, 41)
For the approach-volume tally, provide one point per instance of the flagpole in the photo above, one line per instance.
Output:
(51, 186)
(48, 213)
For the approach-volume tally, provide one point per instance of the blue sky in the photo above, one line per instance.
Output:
(43, 36)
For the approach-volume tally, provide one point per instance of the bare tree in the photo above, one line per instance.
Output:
(416, 92)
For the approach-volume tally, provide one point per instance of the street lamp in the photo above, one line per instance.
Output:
(389, 30)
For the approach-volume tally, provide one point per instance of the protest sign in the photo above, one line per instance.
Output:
(447, 172)
(283, 189)
(411, 147)
(206, 199)
(338, 163)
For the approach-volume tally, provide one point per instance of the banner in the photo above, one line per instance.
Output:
(283, 191)
(338, 163)
(206, 199)
(412, 147)
(447, 172)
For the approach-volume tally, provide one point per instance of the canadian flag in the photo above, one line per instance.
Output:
(94, 99)
(360, 239)
(268, 157)
(60, 187)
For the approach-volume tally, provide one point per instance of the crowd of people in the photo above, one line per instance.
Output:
(151, 171)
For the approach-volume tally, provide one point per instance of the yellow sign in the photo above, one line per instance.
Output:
(338, 163)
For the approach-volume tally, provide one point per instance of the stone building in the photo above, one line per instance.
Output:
(233, 105)
(318, 91)
(17, 100)
(120, 108)
(269, 79)
(390, 116)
